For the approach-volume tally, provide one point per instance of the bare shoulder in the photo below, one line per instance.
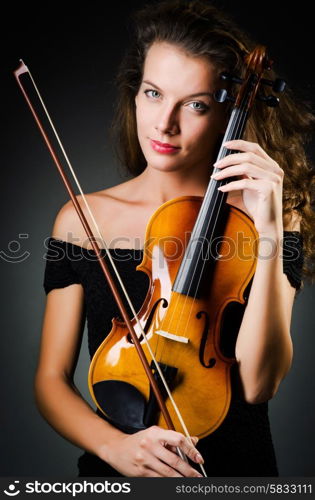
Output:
(106, 205)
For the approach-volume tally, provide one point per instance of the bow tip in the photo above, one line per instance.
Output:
(21, 69)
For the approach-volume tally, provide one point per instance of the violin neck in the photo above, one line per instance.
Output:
(201, 251)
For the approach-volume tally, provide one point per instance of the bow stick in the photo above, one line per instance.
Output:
(22, 69)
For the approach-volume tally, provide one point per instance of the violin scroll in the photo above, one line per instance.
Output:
(257, 63)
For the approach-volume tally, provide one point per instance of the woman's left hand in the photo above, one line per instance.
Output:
(261, 183)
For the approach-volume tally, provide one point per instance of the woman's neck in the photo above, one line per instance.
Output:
(160, 186)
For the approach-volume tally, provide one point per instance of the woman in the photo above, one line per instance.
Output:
(165, 83)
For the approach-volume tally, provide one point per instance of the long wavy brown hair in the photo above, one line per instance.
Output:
(201, 30)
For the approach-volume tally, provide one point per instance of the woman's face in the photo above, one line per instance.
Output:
(174, 105)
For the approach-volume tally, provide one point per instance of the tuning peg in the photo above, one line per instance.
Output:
(271, 100)
(222, 96)
(277, 86)
(228, 77)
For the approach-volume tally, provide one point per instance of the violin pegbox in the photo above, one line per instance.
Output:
(257, 64)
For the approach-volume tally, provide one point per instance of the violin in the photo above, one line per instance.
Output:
(167, 364)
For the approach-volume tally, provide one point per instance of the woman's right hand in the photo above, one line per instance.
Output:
(152, 453)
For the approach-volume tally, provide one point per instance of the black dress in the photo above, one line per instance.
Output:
(242, 445)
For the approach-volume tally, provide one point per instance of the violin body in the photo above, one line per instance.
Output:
(183, 331)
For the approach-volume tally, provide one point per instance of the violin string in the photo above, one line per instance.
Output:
(179, 416)
(240, 120)
(179, 297)
(233, 129)
(220, 204)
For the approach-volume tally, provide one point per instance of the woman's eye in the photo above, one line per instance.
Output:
(151, 90)
(200, 106)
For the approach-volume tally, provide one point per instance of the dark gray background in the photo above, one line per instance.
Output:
(73, 56)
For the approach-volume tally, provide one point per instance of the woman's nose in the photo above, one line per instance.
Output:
(167, 122)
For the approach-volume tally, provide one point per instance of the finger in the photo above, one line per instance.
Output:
(250, 158)
(194, 439)
(245, 169)
(171, 448)
(156, 466)
(174, 448)
(253, 185)
(151, 473)
(173, 460)
(177, 439)
(241, 145)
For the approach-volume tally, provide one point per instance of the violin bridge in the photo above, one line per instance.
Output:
(171, 336)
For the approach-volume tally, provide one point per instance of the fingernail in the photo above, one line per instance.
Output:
(199, 458)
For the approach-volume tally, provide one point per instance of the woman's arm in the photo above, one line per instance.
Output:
(264, 346)
(58, 400)
(145, 453)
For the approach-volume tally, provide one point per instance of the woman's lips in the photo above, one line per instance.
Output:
(160, 148)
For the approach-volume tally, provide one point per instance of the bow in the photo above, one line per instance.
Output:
(21, 70)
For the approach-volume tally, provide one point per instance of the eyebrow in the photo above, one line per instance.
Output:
(191, 95)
